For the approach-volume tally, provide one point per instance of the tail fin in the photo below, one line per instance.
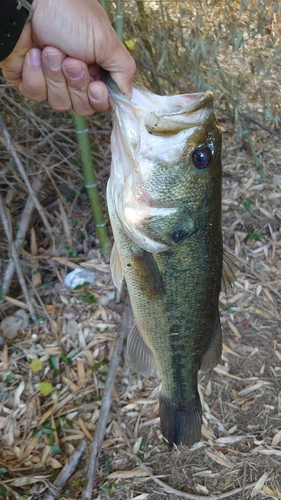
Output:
(181, 423)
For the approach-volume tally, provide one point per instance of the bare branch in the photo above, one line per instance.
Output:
(67, 470)
(20, 236)
(20, 167)
(124, 328)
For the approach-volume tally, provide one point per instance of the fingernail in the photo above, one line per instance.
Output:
(35, 57)
(55, 60)
(75, 72)
(96, 94)
(129, 94)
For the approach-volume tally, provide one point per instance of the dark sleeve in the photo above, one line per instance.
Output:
(14, 14)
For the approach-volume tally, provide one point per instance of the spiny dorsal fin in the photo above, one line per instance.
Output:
(139, 353)
(116, 269)
(228, 270)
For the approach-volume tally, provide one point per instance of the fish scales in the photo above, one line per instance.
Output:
(165, 211)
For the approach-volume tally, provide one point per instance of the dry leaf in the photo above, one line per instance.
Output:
(137, 445)
(201, 489)
(126, 474)
(48, 413)
(252, 388)
(234, 329)
(55, 464)
(269, 492)
(276, 439)
(220, 459)
(259, 484)
(143, 496)
(229, 439)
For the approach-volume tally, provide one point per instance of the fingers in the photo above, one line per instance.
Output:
(57, 92)
(77, 78)
(98, 96)
(33, 85)
(67, 82)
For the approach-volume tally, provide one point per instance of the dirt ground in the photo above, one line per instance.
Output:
(69, 347)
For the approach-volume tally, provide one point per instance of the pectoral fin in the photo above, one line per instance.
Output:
(148, 275)
(211, 356)
(139, 353)
(115, 267)
(228, 270)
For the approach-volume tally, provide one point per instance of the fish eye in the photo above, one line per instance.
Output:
(202, 157)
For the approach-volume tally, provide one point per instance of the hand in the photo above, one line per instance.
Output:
(60, 53)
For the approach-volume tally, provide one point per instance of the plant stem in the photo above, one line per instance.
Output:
(104, 5)
(90, 181)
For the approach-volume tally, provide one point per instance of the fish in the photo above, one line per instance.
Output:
(164, 203)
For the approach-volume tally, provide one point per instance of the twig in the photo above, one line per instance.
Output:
(182, 494)
(15, 258)
(256, 158)
(20, 236)
(67, 470)
(157, 73)
(20, 167)
(124, 328)
(258, 124)
(191, 496)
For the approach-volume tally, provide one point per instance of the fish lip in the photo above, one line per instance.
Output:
(195, 100)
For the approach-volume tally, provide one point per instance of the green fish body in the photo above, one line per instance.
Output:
(164, 202)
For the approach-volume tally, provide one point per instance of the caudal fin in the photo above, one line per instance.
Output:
(181, 423)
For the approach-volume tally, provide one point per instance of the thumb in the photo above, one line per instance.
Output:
(115, 58)
(13, 64)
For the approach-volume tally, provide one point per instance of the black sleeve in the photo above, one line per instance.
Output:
(14, 14)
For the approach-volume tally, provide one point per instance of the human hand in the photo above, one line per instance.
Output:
(60, 53)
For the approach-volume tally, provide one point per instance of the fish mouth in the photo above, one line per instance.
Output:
(162, 115)
(197, 110)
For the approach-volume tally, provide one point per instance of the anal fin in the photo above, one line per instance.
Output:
(180, 423)
(211, 356)
(139, 354)
(228, 270)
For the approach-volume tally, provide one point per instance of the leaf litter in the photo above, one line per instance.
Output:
(69, 347)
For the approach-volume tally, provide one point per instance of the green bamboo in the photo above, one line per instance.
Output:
(90, 181)
(104, 5)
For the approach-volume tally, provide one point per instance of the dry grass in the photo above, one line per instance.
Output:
(75, 333)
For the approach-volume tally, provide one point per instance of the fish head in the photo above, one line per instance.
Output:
(166, 165)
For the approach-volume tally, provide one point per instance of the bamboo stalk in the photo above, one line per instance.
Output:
(90, 181)
(104, 5)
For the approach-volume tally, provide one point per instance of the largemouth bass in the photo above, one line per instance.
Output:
(164, 202)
